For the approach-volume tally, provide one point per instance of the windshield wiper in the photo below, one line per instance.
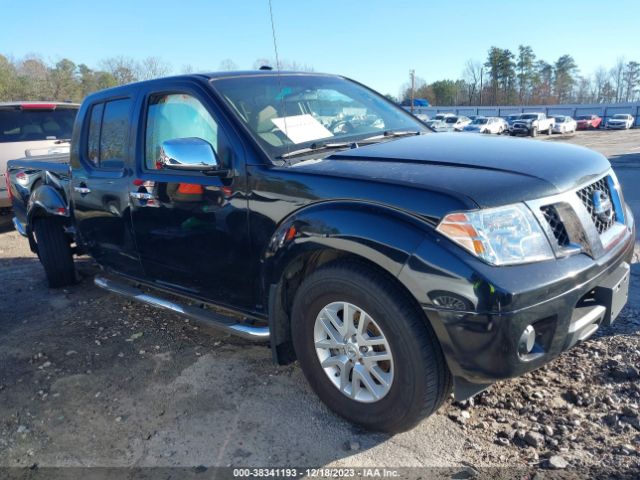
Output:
(318, 147)
(389, 134)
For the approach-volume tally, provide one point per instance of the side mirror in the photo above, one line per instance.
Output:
(192, 153)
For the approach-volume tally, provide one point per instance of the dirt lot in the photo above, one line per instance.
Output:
(90, 379)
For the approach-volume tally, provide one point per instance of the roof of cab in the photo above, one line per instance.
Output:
(18, 103)
(206, 77)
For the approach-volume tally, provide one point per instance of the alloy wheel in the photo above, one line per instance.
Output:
(353, 352)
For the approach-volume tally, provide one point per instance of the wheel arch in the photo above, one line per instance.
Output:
(44, 201)
(380, 237)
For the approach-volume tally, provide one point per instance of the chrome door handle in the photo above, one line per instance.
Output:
(141, 195)
(82, 190)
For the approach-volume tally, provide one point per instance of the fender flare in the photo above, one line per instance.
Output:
(382, 235)
(47, 199)
(44, 201)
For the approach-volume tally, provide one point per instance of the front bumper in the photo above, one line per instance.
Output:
(482, 348)
(617, 126)
(521, 129)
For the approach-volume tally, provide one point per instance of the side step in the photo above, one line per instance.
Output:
(214, 319)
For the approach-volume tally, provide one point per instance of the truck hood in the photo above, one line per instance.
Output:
(490, 171)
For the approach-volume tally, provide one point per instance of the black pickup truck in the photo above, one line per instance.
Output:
(307, 211)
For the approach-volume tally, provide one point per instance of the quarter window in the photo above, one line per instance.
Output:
(108, 134)
(93, 139)
(179, 115)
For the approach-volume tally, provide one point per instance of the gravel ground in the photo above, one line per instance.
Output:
(90, 379)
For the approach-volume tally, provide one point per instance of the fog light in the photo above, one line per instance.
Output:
(527, 340)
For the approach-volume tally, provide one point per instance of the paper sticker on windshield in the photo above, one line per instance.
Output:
(301, 128)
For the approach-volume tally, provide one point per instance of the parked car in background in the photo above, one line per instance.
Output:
(510, 119)
(586, 122)
(533, 123)
(564, 124)
(422, 117)
(439, 118)
(452, 123)
(29, 129)
(620, 121)
(485, 125)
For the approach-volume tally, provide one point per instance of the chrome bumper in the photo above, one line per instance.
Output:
(18, 226)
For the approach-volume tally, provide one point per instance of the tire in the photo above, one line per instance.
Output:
(54, 252)
(549, 131)
(534, 132)
(420, 378)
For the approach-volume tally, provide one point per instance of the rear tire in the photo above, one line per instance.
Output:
(54, 251)
(419, 377)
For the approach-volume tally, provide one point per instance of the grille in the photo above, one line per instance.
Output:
(553, 219)
(586, 196)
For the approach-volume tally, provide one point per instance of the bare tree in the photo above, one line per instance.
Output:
(262, 62)
(152, 67)
(124, 69)
(472, 76)
(617, 78)
(284, 65)
(584, 92)
(600, 79)
(631, 81)
(227, 65)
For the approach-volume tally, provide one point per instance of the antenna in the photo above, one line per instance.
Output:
(275, 48)
(273, 32)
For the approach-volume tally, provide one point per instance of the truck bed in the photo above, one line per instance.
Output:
(26, 174)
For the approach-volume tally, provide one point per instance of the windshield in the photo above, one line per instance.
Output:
(451, 119)
(480, 121)
(30, 124)
(560, 119)
(289, 112)
(584, 117)
(620, 116)
(528, 116)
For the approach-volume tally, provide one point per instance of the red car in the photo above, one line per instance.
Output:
(586, 122)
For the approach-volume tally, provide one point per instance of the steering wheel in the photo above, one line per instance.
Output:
(341, 126)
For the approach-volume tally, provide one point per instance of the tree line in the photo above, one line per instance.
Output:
(32, 78)
(521, 78)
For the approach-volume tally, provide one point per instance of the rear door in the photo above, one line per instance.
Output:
(99, 185)
(192, 228)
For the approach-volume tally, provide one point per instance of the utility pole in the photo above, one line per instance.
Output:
(412, 73)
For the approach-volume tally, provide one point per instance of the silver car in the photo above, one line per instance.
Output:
(28, 129)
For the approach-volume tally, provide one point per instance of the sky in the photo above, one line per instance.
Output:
(374, 42)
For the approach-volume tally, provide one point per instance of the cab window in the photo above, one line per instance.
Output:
(180, 115)
(108, 134)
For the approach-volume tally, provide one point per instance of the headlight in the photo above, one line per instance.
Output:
(499, 236)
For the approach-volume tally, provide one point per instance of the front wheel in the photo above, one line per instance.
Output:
(534, 131)
(54, 251)
(366, 349)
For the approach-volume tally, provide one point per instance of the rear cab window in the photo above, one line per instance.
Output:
(33, 122)
(108, 134)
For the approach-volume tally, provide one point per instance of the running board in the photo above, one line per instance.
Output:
(208, 317)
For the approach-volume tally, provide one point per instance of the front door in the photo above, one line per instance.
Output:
(191, 227)
(99, 191)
